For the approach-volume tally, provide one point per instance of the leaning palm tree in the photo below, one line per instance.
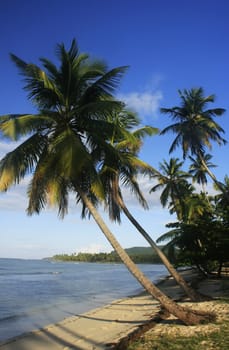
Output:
(123, 173)
(195, 126)
(198, 171)
(73, 101)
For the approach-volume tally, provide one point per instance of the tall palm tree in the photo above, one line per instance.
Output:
(173, 182)
(124, 172)
(73, 101)
(195, 126)
(198, 171)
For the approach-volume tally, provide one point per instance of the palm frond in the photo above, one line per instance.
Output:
(170, 235)
(145, 131)
(70, 154)
(97, 109)
(105, 86)
(16, 164)
(16, 126)
(22, 65)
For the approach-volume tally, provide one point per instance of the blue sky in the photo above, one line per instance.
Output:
(168, 45)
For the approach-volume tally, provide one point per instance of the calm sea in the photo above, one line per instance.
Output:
(35, 293)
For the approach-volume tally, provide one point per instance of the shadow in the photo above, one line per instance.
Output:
(72, 345)
(66, 335)
(111, 320)
(46, 338)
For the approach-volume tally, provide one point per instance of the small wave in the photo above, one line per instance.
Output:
(39, 273)
(12, 317)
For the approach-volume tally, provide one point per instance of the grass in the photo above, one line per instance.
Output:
(215, 340)
(218, 340)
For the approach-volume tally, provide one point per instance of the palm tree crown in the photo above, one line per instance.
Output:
(172, 179)
(73, 102)
(194, 125)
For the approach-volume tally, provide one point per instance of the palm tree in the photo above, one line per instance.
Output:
(173, 180)
(222, 201)
(184, 202)
(195, 126)
(198, 171)
(187, 204)
(125, 171)
(73, 101)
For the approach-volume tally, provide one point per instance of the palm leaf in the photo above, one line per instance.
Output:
(16, 126)
(16, 164)
(105, 86)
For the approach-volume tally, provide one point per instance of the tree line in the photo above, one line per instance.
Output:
(111, 257)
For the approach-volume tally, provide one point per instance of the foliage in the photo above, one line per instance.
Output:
(194, 123)
(172, 179)
(200, 237)
(203, 241)
(139, 255)
(198, 171)
(74, 100)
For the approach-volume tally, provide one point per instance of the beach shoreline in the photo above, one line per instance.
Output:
(103, 327)
(35, 294)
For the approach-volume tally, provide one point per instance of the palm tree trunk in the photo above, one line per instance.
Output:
(212, 176)
(192, 294)
(189, 317)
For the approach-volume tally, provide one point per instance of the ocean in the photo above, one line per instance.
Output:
(35, 293)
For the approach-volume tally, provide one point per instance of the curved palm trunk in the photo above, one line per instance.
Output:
(212, 176)
(187, 316)
(193, 295)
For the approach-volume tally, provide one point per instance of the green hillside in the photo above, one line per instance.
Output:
(137, 254)
(140, 250)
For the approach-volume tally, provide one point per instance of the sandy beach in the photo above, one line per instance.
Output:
(104, 327)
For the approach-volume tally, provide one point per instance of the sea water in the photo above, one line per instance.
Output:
(35, 293)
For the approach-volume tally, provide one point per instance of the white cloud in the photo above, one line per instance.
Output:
(146, 103)
(6, 147)
(15, 198)
(153, 199)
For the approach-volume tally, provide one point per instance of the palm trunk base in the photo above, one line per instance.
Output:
(188, 316)
(191, 317)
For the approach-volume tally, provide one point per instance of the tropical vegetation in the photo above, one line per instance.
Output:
(140, 255)
(65, 155)
(200, 237)
(195, 127)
